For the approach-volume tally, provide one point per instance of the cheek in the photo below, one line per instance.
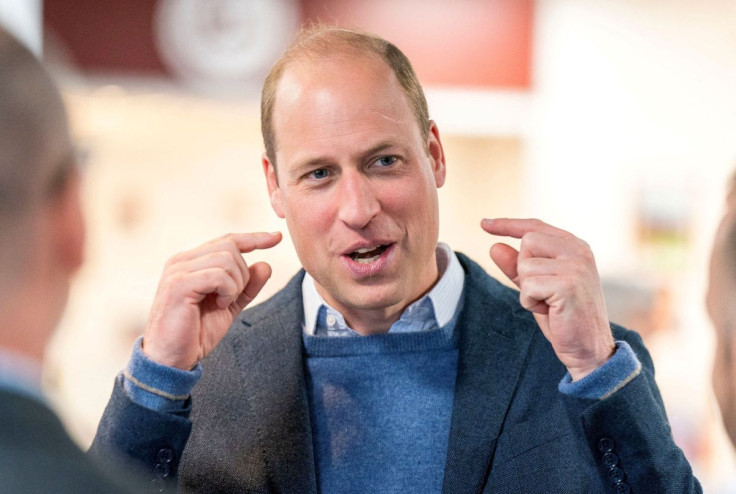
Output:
(308, 219)
(724, 373)
(412, 196)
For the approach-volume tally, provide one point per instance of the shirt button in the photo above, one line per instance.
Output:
(610, 460)
(331, 320)
(623, 488)
(605, 445)
(165, 455)
(616, 475)
(158, 484)
(162, 470)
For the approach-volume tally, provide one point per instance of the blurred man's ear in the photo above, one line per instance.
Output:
(67, 224)
(274, 192)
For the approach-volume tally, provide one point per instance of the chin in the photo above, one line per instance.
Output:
(371, 298)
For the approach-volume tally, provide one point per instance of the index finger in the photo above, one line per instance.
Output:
(247, 242)
(517, 227)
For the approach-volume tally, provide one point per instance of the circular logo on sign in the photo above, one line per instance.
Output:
(223, 41)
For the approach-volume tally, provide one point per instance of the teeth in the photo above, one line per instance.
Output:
(367, 249)
(366, 260)
(367, 255)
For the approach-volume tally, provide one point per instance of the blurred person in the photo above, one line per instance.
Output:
(390, 363)
(720, 297)
(41, 247)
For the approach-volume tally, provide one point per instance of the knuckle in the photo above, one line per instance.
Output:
(229, 238)
(173, 260)
(174, 279)
(223, 257)
(529, 240)
(525, 285)
(524, 268)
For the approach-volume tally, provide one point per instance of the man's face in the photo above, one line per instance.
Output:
(357, 184)
(719, 301)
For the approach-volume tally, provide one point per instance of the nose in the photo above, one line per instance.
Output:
(358, 203)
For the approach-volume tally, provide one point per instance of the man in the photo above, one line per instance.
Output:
(40, 249)
(390, 363)
(719, 301)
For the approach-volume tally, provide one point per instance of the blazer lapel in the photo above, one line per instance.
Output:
(492, 351)
(273, 368)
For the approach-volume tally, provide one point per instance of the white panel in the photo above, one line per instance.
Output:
(24, 18)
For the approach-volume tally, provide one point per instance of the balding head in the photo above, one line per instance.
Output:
(42, 240)
(319, 42)
(35, 148)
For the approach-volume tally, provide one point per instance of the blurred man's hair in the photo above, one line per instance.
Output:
(32, 118)
(321, 41)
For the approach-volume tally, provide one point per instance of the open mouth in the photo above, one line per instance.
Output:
(368, 255)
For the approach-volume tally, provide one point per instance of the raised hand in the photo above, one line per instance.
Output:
(200, 293)
(558, 280)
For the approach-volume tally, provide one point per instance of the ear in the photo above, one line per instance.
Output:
(67, 224)
(436, 154)
(274, 191)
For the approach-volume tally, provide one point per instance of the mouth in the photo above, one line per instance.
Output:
(368, 255)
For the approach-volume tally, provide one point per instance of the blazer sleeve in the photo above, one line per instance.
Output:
(629, 436)
(145, 440)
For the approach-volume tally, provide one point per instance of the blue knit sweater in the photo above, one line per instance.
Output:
(381, 408)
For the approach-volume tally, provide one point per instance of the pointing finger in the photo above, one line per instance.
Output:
(238, 243)
(517, 228)
(248, 242)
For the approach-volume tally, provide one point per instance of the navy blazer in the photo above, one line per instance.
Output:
(37, 455)
(512, 431)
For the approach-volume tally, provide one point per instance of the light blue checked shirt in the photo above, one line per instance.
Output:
(21, 375)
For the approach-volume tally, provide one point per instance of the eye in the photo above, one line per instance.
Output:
(386, 160)
(319, 173)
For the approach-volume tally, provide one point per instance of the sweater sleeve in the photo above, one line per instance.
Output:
(155, 386)
(619, 370)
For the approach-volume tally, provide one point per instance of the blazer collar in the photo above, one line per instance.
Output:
(273, 368)
(492, 349)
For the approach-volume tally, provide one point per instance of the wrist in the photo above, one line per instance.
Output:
(578, 372)
(620, 369)
(167, 357)
(156, 386)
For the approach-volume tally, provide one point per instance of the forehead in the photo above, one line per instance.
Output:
(337, 88)
(355, 76)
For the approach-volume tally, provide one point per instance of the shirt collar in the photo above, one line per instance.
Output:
(20, 374)
(445, 295)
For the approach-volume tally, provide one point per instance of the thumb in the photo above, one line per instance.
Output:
(506, 258)
(260, 272)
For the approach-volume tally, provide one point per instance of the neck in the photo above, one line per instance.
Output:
(378, 320)
(373, 321)
(30, 314)
(23, 332)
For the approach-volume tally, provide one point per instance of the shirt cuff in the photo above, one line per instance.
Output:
(616, 373)
(156, 386)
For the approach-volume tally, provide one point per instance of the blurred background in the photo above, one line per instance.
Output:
(613, 119)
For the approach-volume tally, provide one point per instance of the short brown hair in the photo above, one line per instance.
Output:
(319, 41)
(32, 117)
(31, 113)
